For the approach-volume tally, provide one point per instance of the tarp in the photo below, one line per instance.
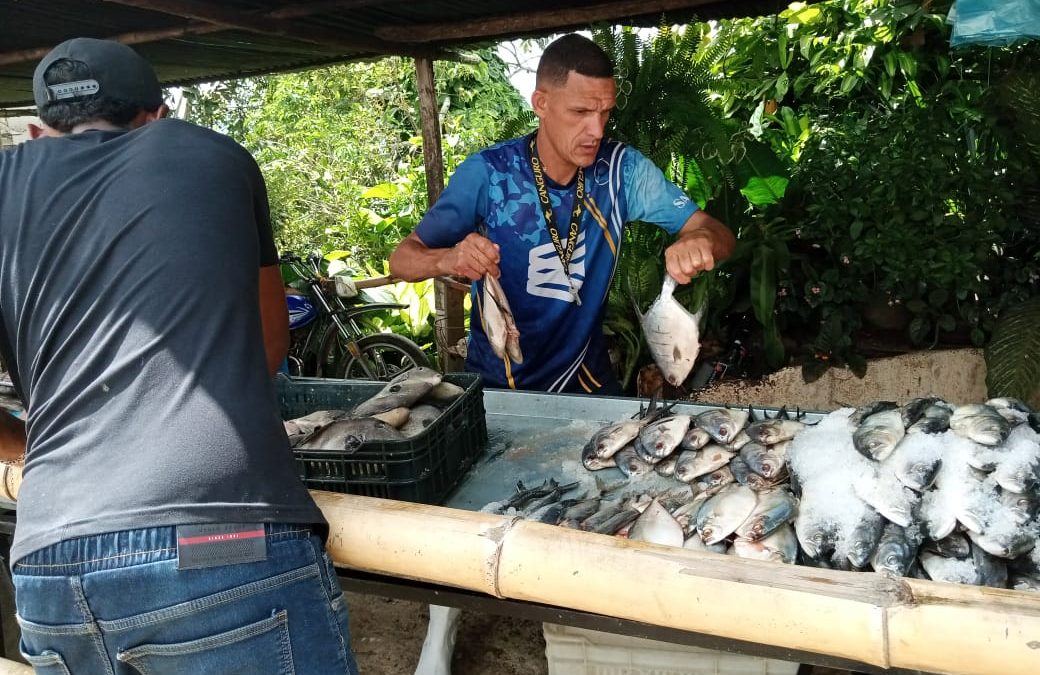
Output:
(994, 22)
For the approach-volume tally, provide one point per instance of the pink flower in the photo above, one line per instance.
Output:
(815, 290)
(845, 259)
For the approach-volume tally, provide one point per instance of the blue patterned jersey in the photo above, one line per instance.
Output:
(562, 341)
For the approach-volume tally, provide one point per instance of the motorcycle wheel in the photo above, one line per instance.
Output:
(380, 357)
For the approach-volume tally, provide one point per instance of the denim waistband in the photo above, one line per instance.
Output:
(125, 548)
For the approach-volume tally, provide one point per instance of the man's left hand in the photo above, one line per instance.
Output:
(702, 242)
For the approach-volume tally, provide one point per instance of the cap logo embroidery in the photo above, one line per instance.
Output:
(66, 90)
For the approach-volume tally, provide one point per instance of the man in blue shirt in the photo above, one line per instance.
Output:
(552, 206)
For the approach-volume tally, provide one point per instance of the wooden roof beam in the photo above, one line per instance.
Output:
(268, 25)
(527, 21)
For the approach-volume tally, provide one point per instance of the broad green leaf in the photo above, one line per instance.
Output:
(380, 191)
(920, 329)
(765, 191)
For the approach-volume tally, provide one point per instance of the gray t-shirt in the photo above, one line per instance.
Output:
(130, 319)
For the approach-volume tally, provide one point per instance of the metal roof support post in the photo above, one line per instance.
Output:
(450, 327)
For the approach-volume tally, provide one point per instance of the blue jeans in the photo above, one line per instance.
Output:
(116, 604)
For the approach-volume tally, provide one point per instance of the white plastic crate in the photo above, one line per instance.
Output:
(576, 651)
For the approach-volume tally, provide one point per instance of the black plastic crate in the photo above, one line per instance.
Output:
(424, 468)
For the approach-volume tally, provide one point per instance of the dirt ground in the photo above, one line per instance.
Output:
(387, 635)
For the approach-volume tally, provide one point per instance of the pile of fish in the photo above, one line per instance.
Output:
(927, 489)
(402, 409)
(730, 519)
(710, 450)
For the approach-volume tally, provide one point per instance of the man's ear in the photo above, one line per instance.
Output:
(35, 131)
(146, 116)
(539, 102)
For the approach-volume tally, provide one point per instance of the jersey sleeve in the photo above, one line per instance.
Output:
(459, 208)
(651, 197)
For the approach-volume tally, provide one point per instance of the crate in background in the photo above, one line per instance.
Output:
(577, 651)
(424, 468)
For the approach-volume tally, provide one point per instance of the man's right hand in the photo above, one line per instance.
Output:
(473, 257)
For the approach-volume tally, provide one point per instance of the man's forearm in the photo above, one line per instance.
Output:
(12, 437)
(412, 261)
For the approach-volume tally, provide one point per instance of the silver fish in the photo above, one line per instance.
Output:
(591, 462)
(611, 438)
(724, 512)
(895, 551)
(774, 508)
(402, 391)
(935, 419)
(865, 411)
(1011, 409)
(348, 435)
(695, 439)
(761, 460)
(818, 537)
(395, 417)
(740, 470)
(876, 436)
(738, 442)
(672, 333)
(949, 570)
(622, 518)
(980, 423)
(864, 537)
(1020, 508)
(916, 408)
(443, 395)
(1004, 544)
(663, 436)
(954, 546)
(781, 545)
(722, 424)
(771, 432)
(498, 322)
(630, 463)
(423, 415)
(992, 571)
(695, 463)
(695, 543)
(656, 526)
(666, 467)
(889, 498)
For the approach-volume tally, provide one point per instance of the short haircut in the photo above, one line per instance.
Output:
(572, 52)
(63, 116)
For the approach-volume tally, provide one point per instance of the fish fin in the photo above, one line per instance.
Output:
(782, 414)
(751, 414)
(676, 353)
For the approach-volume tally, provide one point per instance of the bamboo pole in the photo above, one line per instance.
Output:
(9, 667)
(871, 618)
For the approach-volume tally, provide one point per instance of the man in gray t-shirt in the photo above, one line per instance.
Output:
(142, 316)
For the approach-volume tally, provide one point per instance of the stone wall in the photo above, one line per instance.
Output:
(958, 376)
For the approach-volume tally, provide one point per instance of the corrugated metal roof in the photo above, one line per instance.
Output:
(191, 41)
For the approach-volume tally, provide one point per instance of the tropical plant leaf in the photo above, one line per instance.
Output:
(1013, 353)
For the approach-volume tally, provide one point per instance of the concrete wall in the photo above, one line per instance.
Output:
(958, 376)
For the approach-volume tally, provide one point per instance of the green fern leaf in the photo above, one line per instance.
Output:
(1013, 354)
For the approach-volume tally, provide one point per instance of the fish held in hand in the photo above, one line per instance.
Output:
(498, 321)
(672, 333)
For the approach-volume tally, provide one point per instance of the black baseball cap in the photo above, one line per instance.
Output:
(116, 70)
